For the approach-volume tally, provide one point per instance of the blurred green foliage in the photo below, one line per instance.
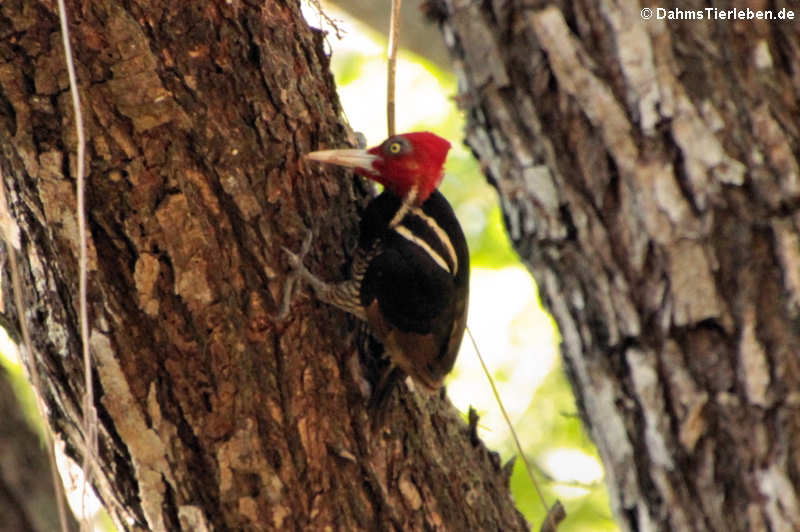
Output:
(551, 421)
(22, 388)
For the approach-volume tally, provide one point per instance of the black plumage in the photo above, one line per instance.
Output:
(409, 279)
(420, 304)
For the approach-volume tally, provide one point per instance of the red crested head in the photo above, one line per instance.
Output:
(412, 160)
(412, 163)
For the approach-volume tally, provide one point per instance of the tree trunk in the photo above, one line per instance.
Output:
(213, 414)
(648, 171)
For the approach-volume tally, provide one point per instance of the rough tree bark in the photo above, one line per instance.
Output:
(213, 414)
(648, 170)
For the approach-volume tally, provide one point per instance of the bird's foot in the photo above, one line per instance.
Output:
(296, 259)
(297, 271)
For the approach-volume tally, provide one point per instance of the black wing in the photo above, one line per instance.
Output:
(412, 290)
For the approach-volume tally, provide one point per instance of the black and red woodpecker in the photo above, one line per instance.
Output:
(410, 274)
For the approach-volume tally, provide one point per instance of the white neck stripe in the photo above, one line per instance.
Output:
(440, 233)
(406, 233)
(405, 206)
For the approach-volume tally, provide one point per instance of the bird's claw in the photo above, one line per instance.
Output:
(297, 271)
(296, 259)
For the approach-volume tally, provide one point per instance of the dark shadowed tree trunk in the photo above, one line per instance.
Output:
(648, 170)
(213, 414)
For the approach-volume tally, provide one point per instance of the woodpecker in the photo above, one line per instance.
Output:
(410, 274)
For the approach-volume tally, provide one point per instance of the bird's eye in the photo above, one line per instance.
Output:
(394, 146)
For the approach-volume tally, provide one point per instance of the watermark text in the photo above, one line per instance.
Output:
(715, 13)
